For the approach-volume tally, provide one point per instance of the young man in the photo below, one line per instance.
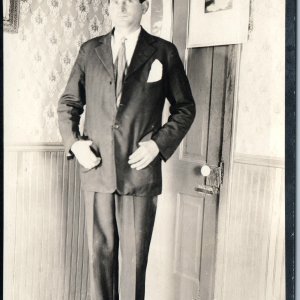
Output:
(123, 79)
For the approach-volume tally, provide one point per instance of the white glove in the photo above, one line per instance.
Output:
(84, 154)
(144, 155)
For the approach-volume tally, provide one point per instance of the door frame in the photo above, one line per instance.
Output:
(228, 149)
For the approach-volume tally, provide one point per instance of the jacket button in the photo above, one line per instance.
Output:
(116, 126)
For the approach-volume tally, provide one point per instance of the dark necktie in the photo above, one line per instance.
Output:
(121, 67)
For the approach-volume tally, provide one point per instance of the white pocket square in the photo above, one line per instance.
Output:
(155, 73)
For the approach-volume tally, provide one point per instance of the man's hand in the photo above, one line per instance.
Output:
(84, 154)
(144, 155)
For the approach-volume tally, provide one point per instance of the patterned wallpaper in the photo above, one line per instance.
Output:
(261, 92)
(38, 61)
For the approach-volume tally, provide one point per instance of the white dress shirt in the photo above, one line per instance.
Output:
(130, 44)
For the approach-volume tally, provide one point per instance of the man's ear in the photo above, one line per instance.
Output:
(145, 6)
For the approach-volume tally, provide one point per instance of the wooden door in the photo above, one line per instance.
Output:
(187, 219)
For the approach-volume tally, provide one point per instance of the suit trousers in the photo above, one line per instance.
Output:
(119, 230)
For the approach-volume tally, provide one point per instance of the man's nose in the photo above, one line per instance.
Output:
(123, 5)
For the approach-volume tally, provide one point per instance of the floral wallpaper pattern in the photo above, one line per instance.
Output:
(38, 61)
(261, 92)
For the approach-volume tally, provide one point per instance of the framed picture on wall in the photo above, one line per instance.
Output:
(217, 22)
(11, 9)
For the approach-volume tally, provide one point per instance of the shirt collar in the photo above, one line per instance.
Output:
(133, 36)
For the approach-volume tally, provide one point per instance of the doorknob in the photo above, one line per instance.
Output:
(213, 175)
(213, 179)
(205, 170)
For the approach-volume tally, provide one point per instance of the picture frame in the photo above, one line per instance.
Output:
(11, 11)
(217, 22)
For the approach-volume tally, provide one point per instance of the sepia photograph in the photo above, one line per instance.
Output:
(144, 149)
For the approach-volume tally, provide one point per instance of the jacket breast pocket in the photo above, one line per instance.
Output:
(152, 83)
(154, 88)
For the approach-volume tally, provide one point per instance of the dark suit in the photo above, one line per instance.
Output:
(116, 132)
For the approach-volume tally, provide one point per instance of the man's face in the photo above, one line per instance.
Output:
(127, 13)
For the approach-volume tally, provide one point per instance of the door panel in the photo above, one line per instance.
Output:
(189, 224)
(199, 72)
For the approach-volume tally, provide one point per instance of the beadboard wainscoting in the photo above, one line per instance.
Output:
(251, 253)
(45, 250)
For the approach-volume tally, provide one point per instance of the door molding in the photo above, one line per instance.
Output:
(229, 134)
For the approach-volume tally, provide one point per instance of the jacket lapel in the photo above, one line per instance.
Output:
(104, 53)
(143, 51)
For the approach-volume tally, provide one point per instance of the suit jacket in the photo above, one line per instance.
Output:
(116, 132)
